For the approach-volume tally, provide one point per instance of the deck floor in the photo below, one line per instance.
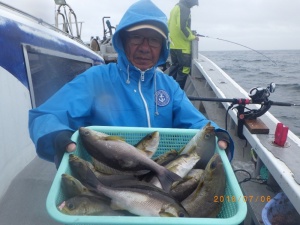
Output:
(25, 200)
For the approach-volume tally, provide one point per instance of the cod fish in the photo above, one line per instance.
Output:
(138, 199)
(149, 143)
(213, 183)
(204, 143)
(88, 205)
(123, 156)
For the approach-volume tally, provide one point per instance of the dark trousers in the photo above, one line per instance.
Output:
(180, 67)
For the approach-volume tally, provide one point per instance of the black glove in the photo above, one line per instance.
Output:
(61, 140)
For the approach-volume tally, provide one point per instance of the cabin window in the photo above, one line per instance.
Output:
(49, 70)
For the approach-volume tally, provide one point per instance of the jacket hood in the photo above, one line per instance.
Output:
(143, 11)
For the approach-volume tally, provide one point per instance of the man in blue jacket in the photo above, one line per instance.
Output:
(131, 92)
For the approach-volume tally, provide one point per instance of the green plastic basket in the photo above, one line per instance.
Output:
(233, 211)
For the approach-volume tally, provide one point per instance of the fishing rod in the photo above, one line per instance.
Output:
(258, 95)
(239, 101)
(200, 35)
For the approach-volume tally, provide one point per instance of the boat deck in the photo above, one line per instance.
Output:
(25, 200)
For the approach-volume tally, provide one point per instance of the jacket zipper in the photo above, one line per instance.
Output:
(142, 96)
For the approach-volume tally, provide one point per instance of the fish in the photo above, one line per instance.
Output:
(138, 199)
(73, 187)
(165, 158)
(124, 156)
(149, 143)
(105, 169)
(80, 167)
(212, 183)
(87, 206)
(182, 189)
(181, 166)
(183, 163)
(203, 143)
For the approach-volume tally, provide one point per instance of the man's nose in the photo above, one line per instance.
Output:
(145, 43)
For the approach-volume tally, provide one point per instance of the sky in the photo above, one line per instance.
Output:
(257, 24)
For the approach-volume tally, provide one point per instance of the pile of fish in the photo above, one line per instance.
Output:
(123, 179)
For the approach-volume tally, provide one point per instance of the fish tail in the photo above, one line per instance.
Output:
(167, 178)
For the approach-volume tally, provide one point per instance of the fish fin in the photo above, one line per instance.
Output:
(113, 138)
(149, 153)
(167, 178)
(165, 214)
(180, 150)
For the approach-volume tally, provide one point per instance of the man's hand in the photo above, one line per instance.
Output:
(62, 143)
(222, 144)
(71, 147)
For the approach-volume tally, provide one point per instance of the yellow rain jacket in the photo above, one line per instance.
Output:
(180, 26)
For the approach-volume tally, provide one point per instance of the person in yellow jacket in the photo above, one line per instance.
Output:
(181, 37)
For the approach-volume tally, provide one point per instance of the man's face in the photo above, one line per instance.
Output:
(143, 48)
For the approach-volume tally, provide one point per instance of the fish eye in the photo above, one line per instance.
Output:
(207, 136)
(71, 205)
(181, 214)
(213, 165)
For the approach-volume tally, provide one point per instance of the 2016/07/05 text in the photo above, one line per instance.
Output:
(250, 198)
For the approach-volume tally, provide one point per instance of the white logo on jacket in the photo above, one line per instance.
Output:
(162, 98)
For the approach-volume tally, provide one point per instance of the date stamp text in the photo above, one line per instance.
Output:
(244, 198)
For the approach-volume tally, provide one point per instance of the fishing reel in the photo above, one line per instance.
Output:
(259, 96)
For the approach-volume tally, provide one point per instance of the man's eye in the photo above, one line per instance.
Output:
(157, 40)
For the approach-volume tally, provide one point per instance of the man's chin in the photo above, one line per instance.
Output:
(143, 65)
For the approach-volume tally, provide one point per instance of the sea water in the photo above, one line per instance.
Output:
(251, 69)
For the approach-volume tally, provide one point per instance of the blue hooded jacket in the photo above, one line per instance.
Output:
(117, 94)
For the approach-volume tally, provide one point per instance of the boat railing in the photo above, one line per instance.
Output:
(40, 21)
(67, 23)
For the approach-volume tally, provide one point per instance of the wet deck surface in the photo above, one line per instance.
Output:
(25, 200)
